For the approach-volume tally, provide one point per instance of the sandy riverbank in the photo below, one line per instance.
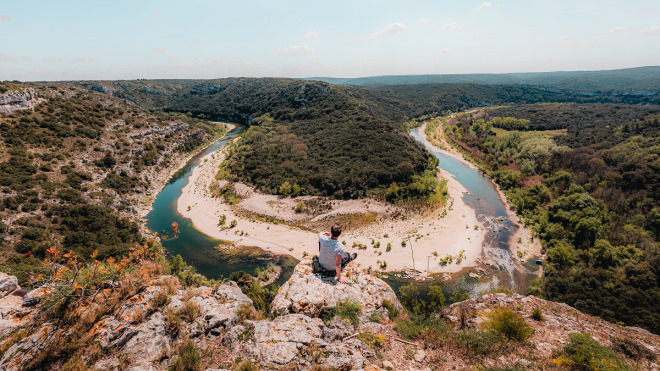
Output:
(522, 239)
(454, 232)
(159, 179)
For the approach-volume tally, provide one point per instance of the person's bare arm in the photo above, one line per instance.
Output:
(338, 269)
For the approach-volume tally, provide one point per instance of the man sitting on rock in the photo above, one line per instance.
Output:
(332, 254)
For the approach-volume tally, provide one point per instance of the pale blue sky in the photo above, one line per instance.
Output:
(120, 39)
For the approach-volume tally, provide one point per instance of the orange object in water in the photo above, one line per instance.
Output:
(175, 227)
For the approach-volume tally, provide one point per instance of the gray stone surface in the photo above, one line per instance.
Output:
(311, 294)
(8, 283)
(233, 337)
(144, 367)
(12, 101)
(107, 364)
(337, 329)
(110, 332)
(19, 354)
(150, 340)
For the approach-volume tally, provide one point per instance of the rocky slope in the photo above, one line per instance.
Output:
(314, 323)
(16, 100)
(69, 153)
(145, 329)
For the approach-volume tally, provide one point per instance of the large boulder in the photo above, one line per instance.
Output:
(22, 352)
(7, 284)
(16, 305)
(299, 339)
(297, 336)
(311, 293)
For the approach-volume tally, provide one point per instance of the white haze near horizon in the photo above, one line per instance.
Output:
(158, 39)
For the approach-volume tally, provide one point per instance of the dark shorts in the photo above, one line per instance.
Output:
(317, 268)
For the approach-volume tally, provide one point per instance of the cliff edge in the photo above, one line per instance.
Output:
(149, 321)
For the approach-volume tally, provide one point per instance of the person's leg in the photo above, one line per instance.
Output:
(346, 258)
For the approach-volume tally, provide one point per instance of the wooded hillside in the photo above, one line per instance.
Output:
(76, 168)
(592, 193)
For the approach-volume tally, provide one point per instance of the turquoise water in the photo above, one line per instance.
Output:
(196, 248)
(483, 197)
(481, 194)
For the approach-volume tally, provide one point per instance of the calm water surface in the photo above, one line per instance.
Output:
(205, 253)
(483, 197)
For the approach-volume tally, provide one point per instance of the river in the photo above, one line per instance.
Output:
(196, 248)
(483, 197)
(202, 252)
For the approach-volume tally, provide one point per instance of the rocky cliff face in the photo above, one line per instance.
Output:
(311, 326)
(14, 100)
(144, 330)
(312, 294)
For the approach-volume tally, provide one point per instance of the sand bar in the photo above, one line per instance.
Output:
(452, 230)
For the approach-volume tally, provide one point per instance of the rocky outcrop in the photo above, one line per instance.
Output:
(553, 324)
(138, 329)
(147, 329)
(13, 309)
(299, 339)
(312, 294)
(15, 100)
(22, 352)
(296, 336)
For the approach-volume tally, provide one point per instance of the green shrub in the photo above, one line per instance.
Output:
(261, 296)
(475, 342)
(391, 308)
(173, 322)
(509, 325)
(349, 309)
(632, 349)
(537, 315)
(160, 299)
(584, 353)
(246, 365)
(190, 311)
(372, 341)
(376, 316)
(431, 331)
(188, 358)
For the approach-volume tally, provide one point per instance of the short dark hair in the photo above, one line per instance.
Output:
(335, 231)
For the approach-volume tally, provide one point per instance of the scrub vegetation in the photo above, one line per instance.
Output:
(592, 195)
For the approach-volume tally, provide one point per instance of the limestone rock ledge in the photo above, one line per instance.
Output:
(13, 101)
(311, 294)
(142, 331)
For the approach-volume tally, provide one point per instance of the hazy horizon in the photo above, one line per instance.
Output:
(204, 39)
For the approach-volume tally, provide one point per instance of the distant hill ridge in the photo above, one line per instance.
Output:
(628, 79)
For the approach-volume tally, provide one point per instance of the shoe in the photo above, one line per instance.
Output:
(353, 256)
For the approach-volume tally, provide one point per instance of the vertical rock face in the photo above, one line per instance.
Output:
(13, 101)
(311, 294)
(13, 311)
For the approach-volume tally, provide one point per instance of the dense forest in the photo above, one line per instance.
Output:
(632, 81)
(585, 178)
(338, 141)
(74, 169)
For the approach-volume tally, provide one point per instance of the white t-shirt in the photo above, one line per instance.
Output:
(328, 251)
